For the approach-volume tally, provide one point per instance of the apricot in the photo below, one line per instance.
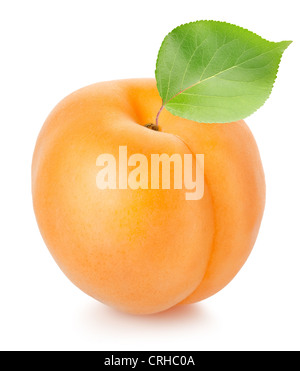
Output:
(144, 250)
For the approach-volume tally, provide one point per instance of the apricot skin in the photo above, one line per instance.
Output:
(144, 251)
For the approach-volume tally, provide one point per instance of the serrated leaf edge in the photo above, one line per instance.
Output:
(231, 24)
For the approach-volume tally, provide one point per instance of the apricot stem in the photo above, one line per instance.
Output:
(155, 126)
(157, 116)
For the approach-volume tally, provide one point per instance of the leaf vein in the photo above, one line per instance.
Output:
(178, 49)
(195, 51)
(221, 72)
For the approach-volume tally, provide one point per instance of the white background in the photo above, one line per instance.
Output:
(51, 48)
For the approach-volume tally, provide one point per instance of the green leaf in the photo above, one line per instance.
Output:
(210, 71)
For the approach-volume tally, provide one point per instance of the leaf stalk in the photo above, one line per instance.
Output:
(157, 116)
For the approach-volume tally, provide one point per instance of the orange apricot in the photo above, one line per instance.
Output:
(144, 250)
